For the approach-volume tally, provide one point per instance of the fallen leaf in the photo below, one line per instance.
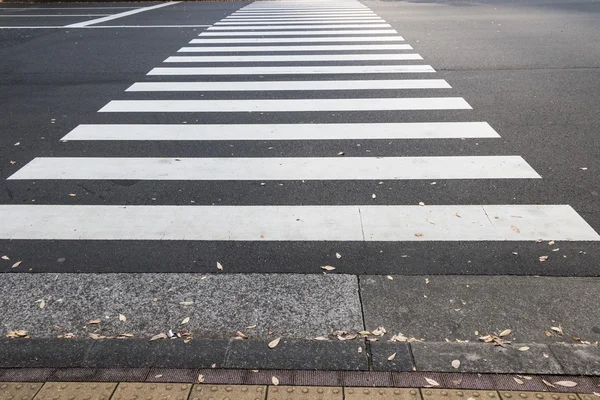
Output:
(72, 195)
(158, 336)
(126, 335)
(557, 329)
(556, 249)
(95, 336)
(19, 333)
(432, 382)
(42, 303)
(380, 331)
(547, 333)
(241, 335)
(158, 376)
(455, 364)
(15, 265)
(545, 355)
(274, 343)
(457, 215)
(539, 240)
(551, 243)
(213, 366)
(122, 318)
(418, 234)
(328, 268)
(514, 228)
(457, 382)
(341, 153)
(391, 358)
(94, 322)
(219, 266)
(543, 258)
(583, 168)
(187, 339)
(360, 349)
(185, 320)
(520, 382)
(321, 338)
(374, 195)
(275, 380)
(251, 327)
(364, 333)
(390, 277)
(422, 204)
(524, 348)
(566, 383)
(5, 258)
(200, 378)
(427, 281)
(596, 394)
(186, 303)
(515, 253)
(432, 222)
(338, 255)
(505, 332)
(547, 383)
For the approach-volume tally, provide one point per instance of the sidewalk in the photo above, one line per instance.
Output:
(273, 385)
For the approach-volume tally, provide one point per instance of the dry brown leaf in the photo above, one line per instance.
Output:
(360, 349)
(418, 234)
(547, 333)
(219, 266)
(321, 338)
(566, 383)
(432, 222)
(72, 195)
(241, 335)
(126, 335)
(455, 364)
(95, 336)
(364, 333)
(391, 278)
(272, 344)
(524, 348)
(275, 380)
(341, 153)
(391, 358)
(185, 320)
(15, 265)
(457, 382)
(421, 203)
(551, 243)
(338, 255)
(374, 196)
(94, 322)
(432, 382)
(327, 267)
(251, 327)
(122, 318)
(5, 258)
(557, 329)
(19, 333)
(380, 331)
(200, 378)
(514, 228)
(427, 281)
(42, 303)
(520, 382)
(505, 332)
(543, 258)
(457, 215)
(187, 339)
(186, 303)
(158, 336)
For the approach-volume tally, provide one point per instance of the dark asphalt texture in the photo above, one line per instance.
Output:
(529, 68)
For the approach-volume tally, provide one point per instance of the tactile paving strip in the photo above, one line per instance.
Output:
(19, 390)
(152, 391)
(75, 391)
(381, 394)
(228, 392)
(304, 393)
(443, 394)
(537, 396)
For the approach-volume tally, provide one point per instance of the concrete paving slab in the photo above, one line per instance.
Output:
(577, 359)
(381, 352)
(484, 358)
(294, 306)
(437, 308)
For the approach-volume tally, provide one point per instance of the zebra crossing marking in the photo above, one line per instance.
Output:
(294, 70)
(298, 48)
(302, 33)
(294, 58)
(350, 39)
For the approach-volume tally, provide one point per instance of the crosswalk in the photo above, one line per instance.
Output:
(286, 50)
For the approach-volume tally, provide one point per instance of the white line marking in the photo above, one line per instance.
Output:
(349, 39)
(287, 85)
(326, 69)
(64, 8)
(294, 223)
(120, 15)
(300, 22)
(247, 9)
(293, 58)
(408, 130)
(304, 15)
(303, 33)
(271, 168)
(297, 48)
(230, 20)
(287, 105)
(285, 27)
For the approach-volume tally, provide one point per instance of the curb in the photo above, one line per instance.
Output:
(298, 354)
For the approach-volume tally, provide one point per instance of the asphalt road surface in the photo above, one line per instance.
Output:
(410, 138)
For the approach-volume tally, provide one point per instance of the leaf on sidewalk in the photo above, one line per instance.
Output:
(505, 332)
(516, 229)
(158, 336)
(327, 267)
(557, 329)
(94, 322)
(15, 265)
(42, 303)
(200, 378)
(338, 255)
(185, 320)
(241, 335)
(275, 380)
(519, 381)
(547, 383)
(391, 358)
(524, 348)
(186, 303)
(543, 258)
(219, 266)
(432, 382)
(272, 344)
(566, 383)
(122, 318)
(5, 258)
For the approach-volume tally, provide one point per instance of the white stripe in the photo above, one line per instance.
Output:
(287, 105)
(51, 15)
(302, 8)
(293, 58)
(64, 8)
(415, 130)
(285, 27)
(302, 168)
(300, 22)
(303, 33)
(342, 47)
(303, 15)
(120, 15)
(303, 11)
(327, 69)
(103, 26)
(300, 40)
(231, 20)
(295, 223)
(287, 85)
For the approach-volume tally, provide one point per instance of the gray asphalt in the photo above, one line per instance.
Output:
(529, 68)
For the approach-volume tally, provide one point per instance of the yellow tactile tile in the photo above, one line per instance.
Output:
(515, 395)
(381, 394)
(75, 391)
(304, 393)
(228, 392)
(449, 394)
(152, 391)
(18, 390)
